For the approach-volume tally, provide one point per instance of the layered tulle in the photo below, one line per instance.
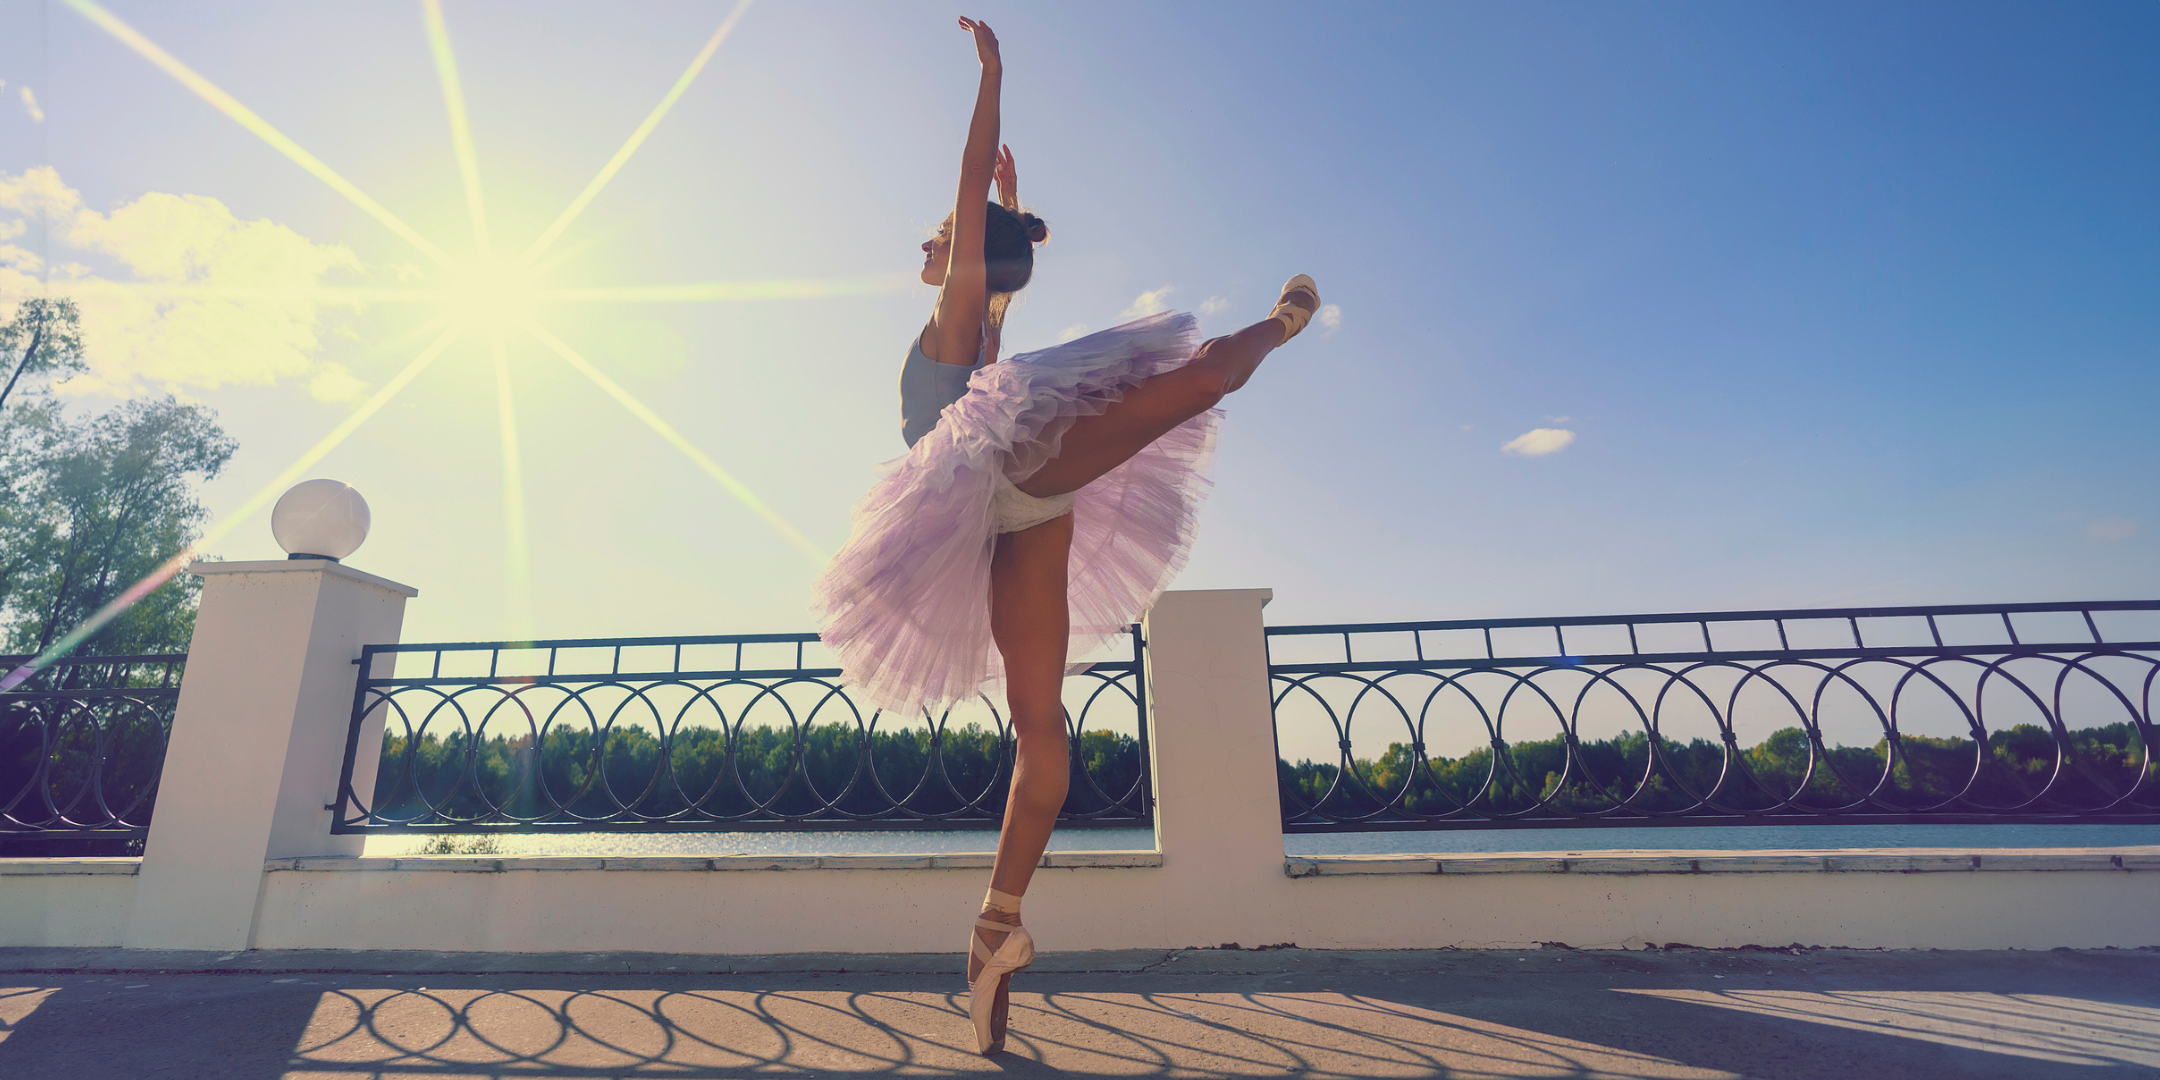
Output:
(905, 604)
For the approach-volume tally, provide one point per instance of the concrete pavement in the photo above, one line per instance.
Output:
(68, 1014)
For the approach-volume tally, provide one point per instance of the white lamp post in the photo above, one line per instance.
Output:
(260, 729)
(320, 519)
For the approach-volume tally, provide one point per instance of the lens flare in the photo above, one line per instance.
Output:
(490, 295)
(711, 291)
(674, 438)
(517, 564)
(219, 528)
(227, 104)
(637, 138)
(460, 131)
(482, 295)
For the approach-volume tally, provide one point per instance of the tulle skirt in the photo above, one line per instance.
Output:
(905, 604)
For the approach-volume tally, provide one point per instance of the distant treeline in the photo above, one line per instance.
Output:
(2097, 765)
(755, 772)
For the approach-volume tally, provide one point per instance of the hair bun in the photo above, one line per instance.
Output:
(1037, 232)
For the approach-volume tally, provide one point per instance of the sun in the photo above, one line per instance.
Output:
(494, 298)
(491, 294)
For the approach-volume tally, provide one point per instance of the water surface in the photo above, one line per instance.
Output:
(1719, 837)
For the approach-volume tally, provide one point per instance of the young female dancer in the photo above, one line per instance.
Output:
(1045, 502)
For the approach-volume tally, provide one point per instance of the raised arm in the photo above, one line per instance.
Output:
(1008, 180)
(956, 322)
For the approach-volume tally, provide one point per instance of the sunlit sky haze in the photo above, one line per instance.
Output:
(1769, 305)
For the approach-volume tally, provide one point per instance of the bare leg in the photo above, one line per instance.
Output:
(1028, 621)
(1028, 611)
(1097, 444)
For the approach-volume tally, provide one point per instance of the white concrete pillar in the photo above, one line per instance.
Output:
(1211, 732)
(258, 739)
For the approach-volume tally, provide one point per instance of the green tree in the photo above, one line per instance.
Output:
(95, 507)
(721, 772)
(44, 338)
(2099, 766)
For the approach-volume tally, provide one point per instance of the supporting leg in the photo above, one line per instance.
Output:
(1029, 623)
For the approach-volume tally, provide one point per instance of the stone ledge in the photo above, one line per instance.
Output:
(1859, 860)
(1066, 860)
(102, 864)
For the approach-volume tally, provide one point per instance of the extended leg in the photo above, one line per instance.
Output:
(1029, 623)
(1097, 444)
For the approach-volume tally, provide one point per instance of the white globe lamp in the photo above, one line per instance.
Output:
(320, 519)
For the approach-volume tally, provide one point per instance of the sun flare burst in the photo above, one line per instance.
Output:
(496, 299)
(491, 295)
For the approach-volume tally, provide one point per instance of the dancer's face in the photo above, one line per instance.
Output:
(936, 254)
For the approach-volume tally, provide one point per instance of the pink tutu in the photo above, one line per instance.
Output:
(906, 603)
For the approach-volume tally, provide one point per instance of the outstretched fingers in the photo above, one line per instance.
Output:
(986, 42)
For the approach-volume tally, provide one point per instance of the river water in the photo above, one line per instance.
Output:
(1720, 837)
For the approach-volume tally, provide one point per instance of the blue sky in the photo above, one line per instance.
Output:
(1841, 303)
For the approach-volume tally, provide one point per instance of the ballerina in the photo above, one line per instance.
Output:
(1045, 502)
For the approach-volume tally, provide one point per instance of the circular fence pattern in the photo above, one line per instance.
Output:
(1936, 733)
(82, 746)
(690, 750)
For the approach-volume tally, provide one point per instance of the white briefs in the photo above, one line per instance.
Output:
(1012, 509)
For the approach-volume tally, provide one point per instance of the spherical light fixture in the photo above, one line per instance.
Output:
(319, 519)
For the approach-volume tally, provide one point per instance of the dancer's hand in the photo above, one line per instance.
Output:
(986, 45)
(1008, 180)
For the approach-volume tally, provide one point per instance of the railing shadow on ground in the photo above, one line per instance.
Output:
(1594, 1020)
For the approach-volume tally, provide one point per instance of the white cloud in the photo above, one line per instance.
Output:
(1558, 419)
(207, 300)
(1148, 303)
(1214, 305)
(1071, 332)
(336, 384)
(30, 105)
(1538, 442)
(1329, 317)
(2113, 528)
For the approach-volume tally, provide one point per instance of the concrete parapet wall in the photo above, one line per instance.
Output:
(1886, 899)
(748, 905)
(71, 902)
(240, 855)
(2080, 898)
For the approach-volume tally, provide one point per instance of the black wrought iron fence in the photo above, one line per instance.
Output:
(81, 746)
(719, 733)
(2016, 713)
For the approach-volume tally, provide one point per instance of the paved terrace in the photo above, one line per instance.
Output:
(92, 1014)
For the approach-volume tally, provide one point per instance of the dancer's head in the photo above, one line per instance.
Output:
(1009, 240)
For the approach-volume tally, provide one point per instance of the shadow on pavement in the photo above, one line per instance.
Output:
(1435, 1015)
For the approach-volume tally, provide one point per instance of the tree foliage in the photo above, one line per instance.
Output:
(43, 339)
(2096, 766)
(89, 507)
(725, 773)
(95, 506)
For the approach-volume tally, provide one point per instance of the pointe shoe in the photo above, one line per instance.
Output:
(1292, 316)
(987, 999)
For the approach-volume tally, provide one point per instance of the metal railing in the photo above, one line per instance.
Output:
(2013, 713)
(704, 734)
(82, 744)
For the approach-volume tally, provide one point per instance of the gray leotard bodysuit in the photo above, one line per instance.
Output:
(927, 386)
